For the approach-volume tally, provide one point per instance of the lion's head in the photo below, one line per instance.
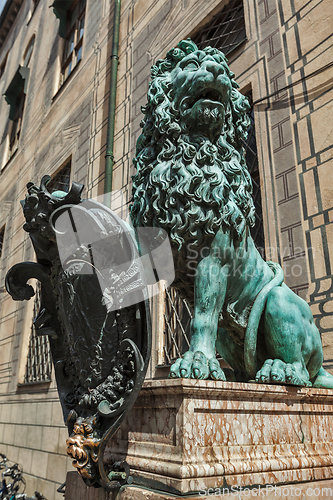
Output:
(191, 173)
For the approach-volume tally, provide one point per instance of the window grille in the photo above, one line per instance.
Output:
(38, 367)
(251, 155)
(178, 313)
(61, 180)
(2, 236)
(177, 321)
(72, 54)
(225, 31)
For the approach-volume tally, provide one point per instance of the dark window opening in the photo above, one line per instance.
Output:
(72, 53)
(16, 124)
(60, 181)
(225, 31)
(15, 97)
(251, 155)
(3, 66)
(2, 237)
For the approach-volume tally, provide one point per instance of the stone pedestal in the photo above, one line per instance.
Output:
(190, 435)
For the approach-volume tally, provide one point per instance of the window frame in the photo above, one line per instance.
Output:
(15, 96)
(3, 65)
(74, 28)
(64, 171)
(16, 124)
(223, 22)
(38, 366)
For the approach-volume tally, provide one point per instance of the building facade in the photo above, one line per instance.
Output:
(54, 86)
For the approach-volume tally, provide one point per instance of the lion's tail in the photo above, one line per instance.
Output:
(251, 334)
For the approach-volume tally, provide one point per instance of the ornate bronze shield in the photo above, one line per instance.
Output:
(94, 308)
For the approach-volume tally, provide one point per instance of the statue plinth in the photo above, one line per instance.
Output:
(191, 435)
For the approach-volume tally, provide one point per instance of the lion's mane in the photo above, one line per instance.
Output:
(190, 187)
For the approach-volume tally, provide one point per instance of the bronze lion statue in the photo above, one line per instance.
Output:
(192, 181)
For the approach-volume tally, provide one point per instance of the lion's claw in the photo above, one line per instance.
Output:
(215, 370)
(277, 372)
(196, 365)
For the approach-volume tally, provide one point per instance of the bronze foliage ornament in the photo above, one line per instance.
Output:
(94, 308)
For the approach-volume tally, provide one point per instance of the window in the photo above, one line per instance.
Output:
(16, 124)
(251, 155)
(177, 323)
(2, 236)
(72, 54)
(38, 367)
(225, 31)
(15, 97)
(3, 66)
(60, 181)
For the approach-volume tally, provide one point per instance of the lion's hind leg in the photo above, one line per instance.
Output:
(292, 340)
(323, 380)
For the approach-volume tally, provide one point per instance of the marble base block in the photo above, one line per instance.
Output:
(192, 435)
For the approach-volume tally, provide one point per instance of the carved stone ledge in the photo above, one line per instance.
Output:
(190, 435)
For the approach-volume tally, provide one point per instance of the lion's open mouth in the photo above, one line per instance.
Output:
(210, 95)
(207, 97)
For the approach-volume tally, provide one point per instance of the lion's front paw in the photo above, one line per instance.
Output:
(277, 372)
(197, 365)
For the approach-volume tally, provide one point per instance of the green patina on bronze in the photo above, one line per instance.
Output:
(192, 181)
